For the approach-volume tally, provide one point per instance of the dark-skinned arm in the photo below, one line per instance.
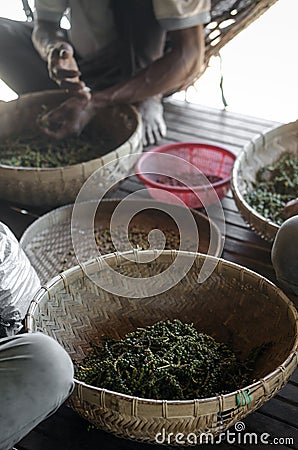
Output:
(49, 40)
(172, 71)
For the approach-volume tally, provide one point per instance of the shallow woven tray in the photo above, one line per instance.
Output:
(48, 245)
(59, 186)
(233, 305)
(261, 151)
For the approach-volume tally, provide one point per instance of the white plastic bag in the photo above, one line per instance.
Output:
(18, 283)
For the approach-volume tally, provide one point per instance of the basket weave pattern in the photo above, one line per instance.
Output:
(59, 186)
(233, 305)
(48, 243)
(239, 13)
(261, 151)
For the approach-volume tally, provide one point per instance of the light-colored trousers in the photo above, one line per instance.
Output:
(36, 376)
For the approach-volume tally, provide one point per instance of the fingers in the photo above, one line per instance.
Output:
(67, 119)
(60, 133)
(59, 72)
(55, 126)
(53, 123)
(154, 127)
(153, 132)
(62, 73)
(65, 53)
(162, 128)
(63, 67)
(84, 94)
(72, 86)
(62, 50)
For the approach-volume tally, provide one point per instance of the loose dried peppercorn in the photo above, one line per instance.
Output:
(137, 238)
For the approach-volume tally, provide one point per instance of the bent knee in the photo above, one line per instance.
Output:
(50, 364)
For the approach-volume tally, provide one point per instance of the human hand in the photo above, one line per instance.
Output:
(63, 68)
(154, 126)
(69, 118)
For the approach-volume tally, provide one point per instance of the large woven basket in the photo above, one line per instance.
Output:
(58, 186)
(233, 305)
(261, 151)
(48, 242)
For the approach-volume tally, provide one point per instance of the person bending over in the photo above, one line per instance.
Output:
(131, 51)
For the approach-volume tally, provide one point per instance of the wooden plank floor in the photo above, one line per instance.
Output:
(65, 430)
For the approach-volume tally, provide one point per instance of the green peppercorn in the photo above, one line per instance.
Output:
(168, 360)
(275, 186)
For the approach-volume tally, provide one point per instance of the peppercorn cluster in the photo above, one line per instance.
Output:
(167, 360)
(275, 186)
(38, 150)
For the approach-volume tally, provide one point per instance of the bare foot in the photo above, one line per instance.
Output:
(154, 126)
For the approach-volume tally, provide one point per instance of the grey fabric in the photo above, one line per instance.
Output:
(36, 376)
(21, 67)
(180, 24)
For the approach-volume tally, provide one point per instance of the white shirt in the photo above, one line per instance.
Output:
(92, 21)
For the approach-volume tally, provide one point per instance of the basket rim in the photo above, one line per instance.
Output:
(213, 225)
(100, 159)
(291, 359)
(263, 226)
(231, 395)
(235, 189)
(182, 189)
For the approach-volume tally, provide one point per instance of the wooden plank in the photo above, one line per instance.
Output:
(233, 144)
(253, 252)
(283, 411)
(251, 264)
(259, 423)
(294, 377)
(191, 122)
(219, 115)
(245, 234)
(234, 218)
(290, 394)
(229, 203)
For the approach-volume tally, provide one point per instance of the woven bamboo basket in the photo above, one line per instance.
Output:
(229, 18)
(52, 187)
(48, 244)
(233, 305)
(261, 151)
